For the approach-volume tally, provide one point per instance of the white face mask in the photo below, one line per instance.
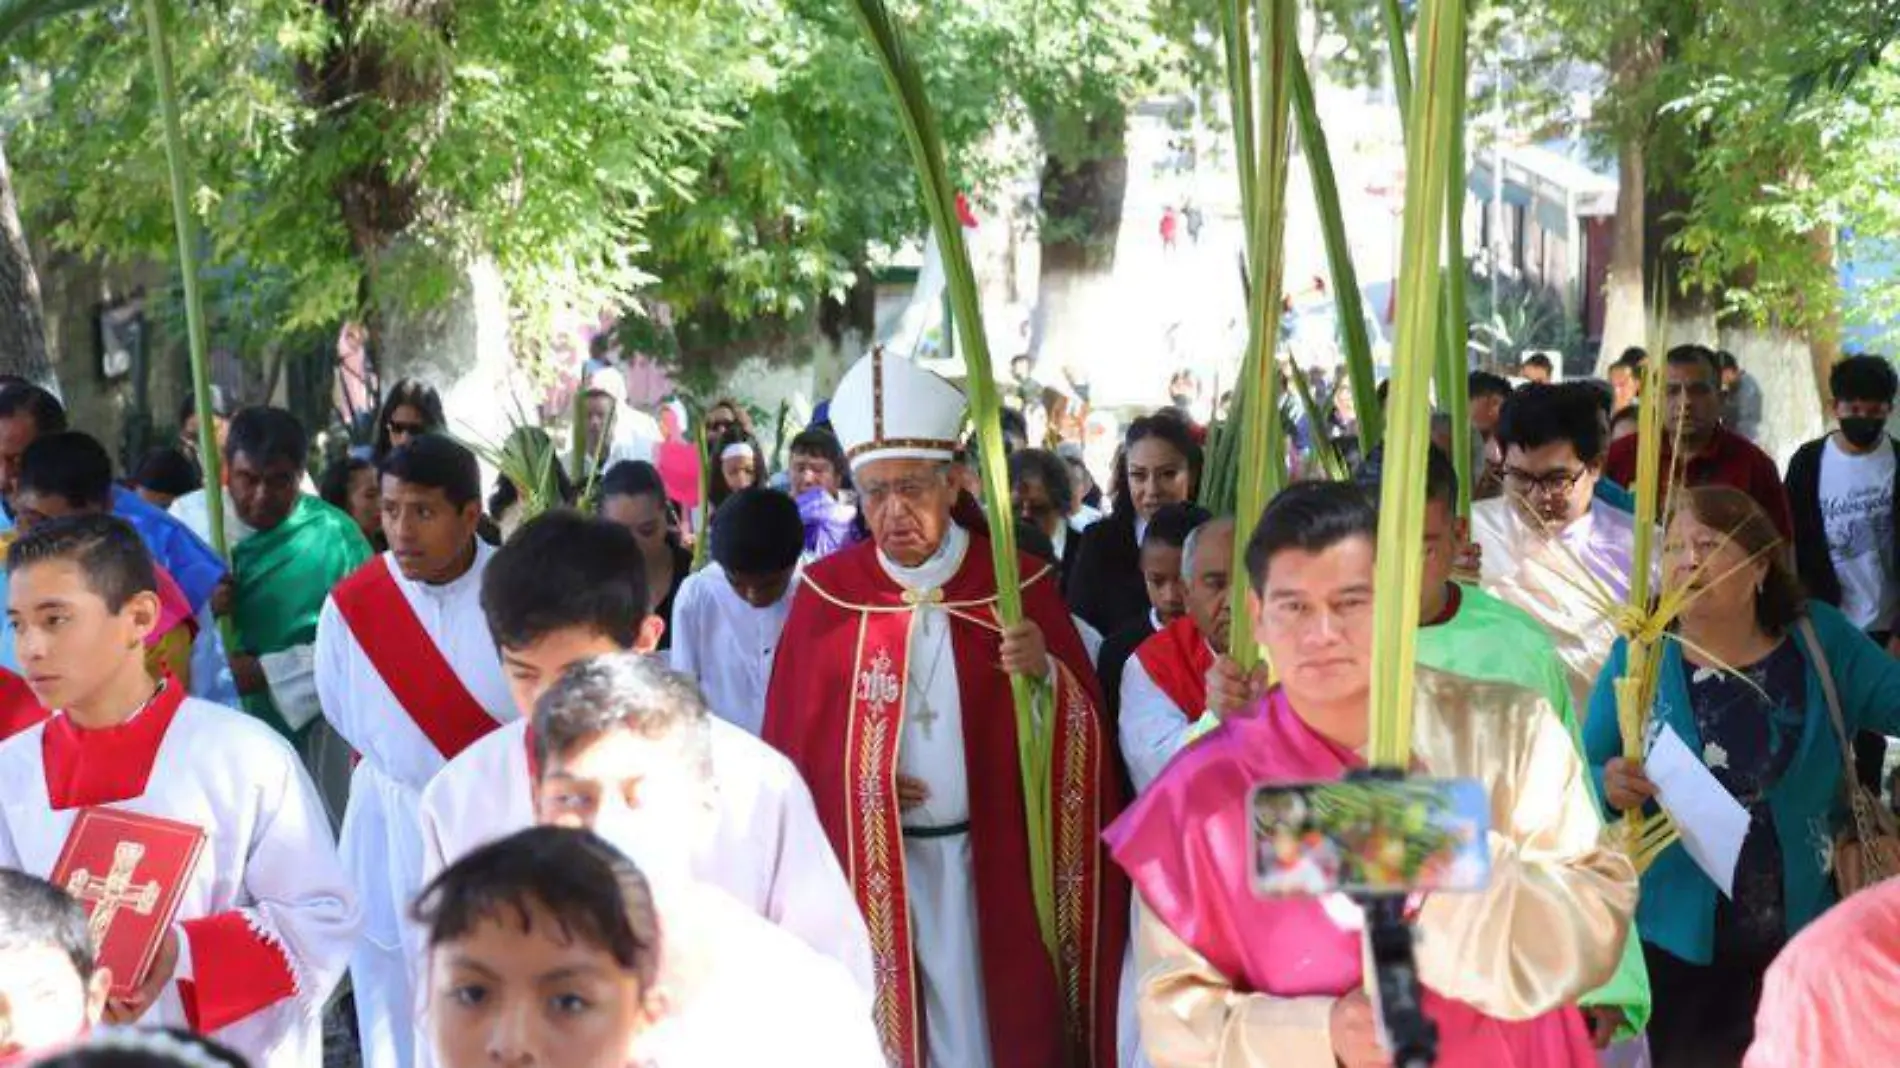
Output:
(661, 849)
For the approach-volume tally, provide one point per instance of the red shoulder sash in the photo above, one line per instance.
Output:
(1176, 657)
(401, 651)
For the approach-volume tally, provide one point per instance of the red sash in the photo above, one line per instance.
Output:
(401, 651)
(1177, 658)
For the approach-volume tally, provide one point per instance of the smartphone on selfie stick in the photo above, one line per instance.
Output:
(1381, 838)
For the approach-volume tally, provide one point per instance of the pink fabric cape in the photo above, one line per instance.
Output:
(1186, 844)
(1833, 996)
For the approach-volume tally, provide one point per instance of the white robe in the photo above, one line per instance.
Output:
(267, 854)
(939, 873)
(727, 645)
(381, 841)
(767, 849)
(1153, 728)
(801, 1009)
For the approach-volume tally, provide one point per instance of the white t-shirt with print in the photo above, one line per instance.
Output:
(1857, 513)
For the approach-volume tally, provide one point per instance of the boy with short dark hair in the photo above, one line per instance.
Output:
(51, 990)
(727, 617)
(566, 588)
(68, 473)
(407, 675)
(265, 918)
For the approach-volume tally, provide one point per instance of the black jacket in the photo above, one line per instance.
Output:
(1811, 557)
(1105, 585)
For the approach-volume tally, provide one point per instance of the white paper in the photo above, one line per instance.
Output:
(1709, 819)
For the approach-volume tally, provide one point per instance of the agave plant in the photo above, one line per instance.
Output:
(1035, 758)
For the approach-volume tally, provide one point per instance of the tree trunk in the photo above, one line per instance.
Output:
(1626, 292)
(22, 320)
(1081, 222)
(1824, 337)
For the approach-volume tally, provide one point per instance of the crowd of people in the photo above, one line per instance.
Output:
(456, 774)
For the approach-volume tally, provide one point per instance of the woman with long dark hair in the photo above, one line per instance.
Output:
(633, 495)
(410, 409)
(1159, 464)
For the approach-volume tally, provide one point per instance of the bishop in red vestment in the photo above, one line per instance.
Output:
(886, 693)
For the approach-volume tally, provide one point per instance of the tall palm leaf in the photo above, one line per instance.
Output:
(179, 166)
(1436, 106)
(906, 84)
(1257, 415)
(1348, 304)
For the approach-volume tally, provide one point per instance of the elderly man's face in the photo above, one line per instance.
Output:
(907, 505)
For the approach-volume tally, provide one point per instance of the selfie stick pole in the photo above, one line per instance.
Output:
(1409, 1033)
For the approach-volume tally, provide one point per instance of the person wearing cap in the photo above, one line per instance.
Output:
(728, 616)
(886, 695)
(616, 431)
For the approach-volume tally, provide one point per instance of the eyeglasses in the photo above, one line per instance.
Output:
(716, 427)
(1550, 483)
(406, 429)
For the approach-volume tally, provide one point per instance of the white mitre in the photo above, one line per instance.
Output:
(888, 408)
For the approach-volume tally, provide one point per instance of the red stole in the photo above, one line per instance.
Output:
(19, 709)
(836, 708)
(400, 649)
(1177, 658)
(99, 767)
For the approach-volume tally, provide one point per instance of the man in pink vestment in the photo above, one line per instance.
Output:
(1232, 979)
(1833, 995)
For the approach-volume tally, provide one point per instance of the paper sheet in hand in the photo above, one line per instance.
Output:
(1712, 823)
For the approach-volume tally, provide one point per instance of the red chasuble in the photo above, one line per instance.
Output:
(237, 971)
(836, 708)
(1177, 659)
(398, 646)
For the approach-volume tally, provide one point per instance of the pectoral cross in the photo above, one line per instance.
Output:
(927, 717)
(115, 891)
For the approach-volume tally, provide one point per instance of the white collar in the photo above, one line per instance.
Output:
(935, 572)
(472, 578)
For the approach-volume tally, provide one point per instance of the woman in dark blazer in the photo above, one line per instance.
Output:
(1159, 464)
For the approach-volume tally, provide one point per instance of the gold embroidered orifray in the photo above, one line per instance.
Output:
(1549, 927)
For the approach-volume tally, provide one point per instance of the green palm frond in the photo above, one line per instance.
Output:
(1256, 413)
(1348, 304)
(1435, 111)
(905, 82)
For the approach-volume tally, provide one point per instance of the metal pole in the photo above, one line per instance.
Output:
(188, 268)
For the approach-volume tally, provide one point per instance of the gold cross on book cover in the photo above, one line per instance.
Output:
(129, 870)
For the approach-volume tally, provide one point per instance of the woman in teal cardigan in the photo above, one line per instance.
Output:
(1764, 731)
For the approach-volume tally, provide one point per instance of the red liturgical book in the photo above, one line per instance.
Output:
(129, 871)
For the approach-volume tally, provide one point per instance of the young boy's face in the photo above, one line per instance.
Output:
(43, 1001)
(532, 669)
(620, 773)
(521, 989)
(1161, 571)
(68, 642)
(760, 589)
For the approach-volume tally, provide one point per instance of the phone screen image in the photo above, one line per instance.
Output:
(1370, 836)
